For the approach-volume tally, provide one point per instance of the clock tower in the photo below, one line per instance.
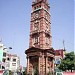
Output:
(40, 54)
(40, 30)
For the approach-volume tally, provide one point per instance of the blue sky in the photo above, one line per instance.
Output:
(15, 25)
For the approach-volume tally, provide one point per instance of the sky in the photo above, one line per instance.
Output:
(15, 16)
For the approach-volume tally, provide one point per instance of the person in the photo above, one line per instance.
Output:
(21, 73)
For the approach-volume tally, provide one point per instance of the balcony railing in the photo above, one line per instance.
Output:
(34, 32)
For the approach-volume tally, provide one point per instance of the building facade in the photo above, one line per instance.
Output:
(12, 62)
(3, 52)
(40, 54)
(7, 60)
(59, 54)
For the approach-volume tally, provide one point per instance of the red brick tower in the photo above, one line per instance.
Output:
(40, 54)
(40, 30)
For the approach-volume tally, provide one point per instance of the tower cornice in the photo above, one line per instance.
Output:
(35, 3)
(40, 18)
(40, 9)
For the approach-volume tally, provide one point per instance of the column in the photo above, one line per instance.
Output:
(27, 64)
(43, 64)
(46, 65)
(39, 65)
(53, 65)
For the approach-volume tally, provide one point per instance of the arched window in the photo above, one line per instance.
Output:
(36, 39)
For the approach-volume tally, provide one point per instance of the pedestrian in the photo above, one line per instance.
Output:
(21, 73)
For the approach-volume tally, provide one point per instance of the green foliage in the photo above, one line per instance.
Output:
(25, 72)
(10, 73)
(49, 73)
(68, 63)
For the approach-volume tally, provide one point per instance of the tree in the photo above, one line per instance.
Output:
(25, 72)
(49, 73)
(10, 73)
(68, 63)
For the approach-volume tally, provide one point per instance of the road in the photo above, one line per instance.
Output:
(69, 73)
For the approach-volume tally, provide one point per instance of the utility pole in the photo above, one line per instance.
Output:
(0, 40)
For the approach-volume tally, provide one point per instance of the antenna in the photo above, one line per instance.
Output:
(63, 44)
(0, 40)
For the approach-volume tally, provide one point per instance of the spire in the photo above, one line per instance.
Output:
(63, 44)
(36, 1)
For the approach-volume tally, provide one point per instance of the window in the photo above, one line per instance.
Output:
(36, 25)
(3, 67)
(47, 40)
(34, 8)
(13, 64)
(8, 59)
(36, 39)
(8, 64)
(37, 6)
(4, 60)
(14, 60)
(40, 6)
(4, 54)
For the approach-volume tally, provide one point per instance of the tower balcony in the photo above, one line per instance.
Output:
(47, 32)
(34, 32)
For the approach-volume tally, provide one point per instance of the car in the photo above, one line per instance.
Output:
(59, 73)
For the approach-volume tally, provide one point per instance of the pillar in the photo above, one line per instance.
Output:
(43, 64)
(53, 65)
(27, 65)
(46, 64)
(39, 65)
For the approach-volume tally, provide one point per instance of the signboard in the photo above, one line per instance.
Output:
(1, 54)
(57, 60)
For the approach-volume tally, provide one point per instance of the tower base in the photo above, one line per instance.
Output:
(40, 61)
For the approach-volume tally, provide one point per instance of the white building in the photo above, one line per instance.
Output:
(8, 61)
(3, 52)
(13, 62)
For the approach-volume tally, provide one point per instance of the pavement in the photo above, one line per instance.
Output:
(69, 73)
